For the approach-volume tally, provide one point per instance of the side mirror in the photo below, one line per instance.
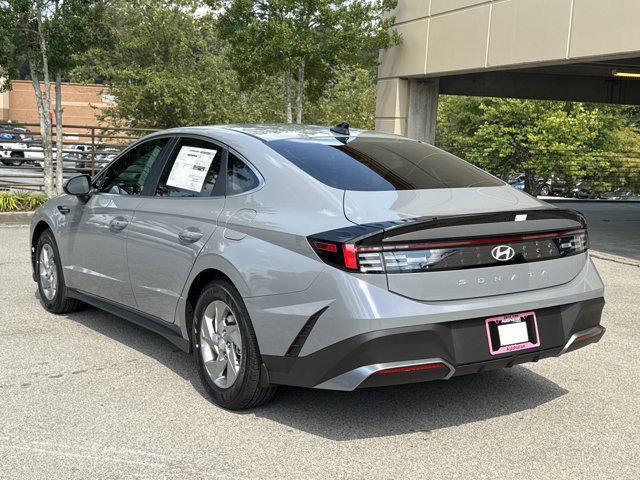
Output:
(80, 186)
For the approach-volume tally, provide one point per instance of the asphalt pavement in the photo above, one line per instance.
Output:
(88, 395)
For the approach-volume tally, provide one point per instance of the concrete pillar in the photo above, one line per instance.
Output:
(423, 109)
(392, 101)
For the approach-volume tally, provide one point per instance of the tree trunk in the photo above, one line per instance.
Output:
(59, 110)
(44, 109)
(300, 98)
(287, 96)
(530, 184)
(45, 131)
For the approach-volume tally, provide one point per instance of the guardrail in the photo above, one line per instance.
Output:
(86, 149)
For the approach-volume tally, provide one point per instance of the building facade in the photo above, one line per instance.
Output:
(81, 103)
(583, 50)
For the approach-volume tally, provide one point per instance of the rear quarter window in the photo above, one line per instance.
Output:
(381, 164)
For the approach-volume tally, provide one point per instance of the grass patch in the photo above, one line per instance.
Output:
(20, 202)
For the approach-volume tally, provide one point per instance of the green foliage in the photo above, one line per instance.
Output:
(350, 97)
(303, 38)
(18, 202)
(543, 139)
(166, 68)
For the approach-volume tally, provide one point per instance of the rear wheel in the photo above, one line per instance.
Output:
(544, 190)
(226, 349)
(51, 286)
(15, 159)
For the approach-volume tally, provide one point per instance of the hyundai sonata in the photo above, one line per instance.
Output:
(318, 257)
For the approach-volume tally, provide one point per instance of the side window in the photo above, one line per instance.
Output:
(128, 175)
(192, 170)
(240, 178)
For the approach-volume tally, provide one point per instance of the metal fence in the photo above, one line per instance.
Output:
(85, 149)
(88, 148)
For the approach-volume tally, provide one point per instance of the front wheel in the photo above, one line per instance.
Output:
(226, 349)
(51, 286)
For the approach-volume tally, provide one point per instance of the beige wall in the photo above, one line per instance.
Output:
(444, 37)
(81, 103)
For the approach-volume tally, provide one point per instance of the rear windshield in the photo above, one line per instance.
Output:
(381, 164)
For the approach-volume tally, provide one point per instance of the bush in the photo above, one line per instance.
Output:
(20, 202)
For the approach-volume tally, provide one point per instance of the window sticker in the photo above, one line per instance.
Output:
(190, 168)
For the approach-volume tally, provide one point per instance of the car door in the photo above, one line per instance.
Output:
(96, 230)
(171, 227)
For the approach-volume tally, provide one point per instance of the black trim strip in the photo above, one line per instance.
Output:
(170, 331)
(301, 338)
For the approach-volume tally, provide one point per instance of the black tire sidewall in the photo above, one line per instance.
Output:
(246, 381)
(56, 303)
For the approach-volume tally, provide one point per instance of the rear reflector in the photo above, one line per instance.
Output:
(413, 368)
(327, 247)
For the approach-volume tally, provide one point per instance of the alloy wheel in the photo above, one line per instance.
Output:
(220, 344)
(48, 272)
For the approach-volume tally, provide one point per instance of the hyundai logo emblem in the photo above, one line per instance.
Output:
(503, 253)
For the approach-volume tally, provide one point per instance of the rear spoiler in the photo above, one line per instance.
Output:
(454, 227)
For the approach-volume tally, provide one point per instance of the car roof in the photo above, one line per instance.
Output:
(269, 132)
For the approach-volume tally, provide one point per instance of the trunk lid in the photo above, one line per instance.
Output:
(371, 207)
(465, 226)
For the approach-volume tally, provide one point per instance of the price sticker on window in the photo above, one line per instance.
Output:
(190, 168)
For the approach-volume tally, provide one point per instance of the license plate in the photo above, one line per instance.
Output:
(511, 333)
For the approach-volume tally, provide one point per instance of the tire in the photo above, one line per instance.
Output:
(544, 190)
(221, 303)
(53, 300)
(18, 158)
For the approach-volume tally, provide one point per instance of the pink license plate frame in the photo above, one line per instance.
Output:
(511, 319)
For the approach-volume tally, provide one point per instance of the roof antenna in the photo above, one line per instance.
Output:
(341, 129)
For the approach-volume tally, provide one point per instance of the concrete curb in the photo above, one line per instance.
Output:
(614, 258)
(15, 218)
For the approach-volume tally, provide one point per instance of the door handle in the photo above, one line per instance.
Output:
(190, 235)
(63, 210)
(118, 224)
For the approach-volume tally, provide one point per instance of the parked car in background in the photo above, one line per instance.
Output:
(318, 257)
(517, 181)
(11, 152)
(623, 194)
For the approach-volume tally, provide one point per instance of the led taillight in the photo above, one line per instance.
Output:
(449, 254)
(350, 259)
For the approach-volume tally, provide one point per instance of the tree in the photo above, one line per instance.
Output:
(304, 39)
(24, 42)
(43, 34)
(73, 27)
(349, 97)
(166, 68)
(541, 139)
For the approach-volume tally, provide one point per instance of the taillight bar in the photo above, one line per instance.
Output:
(465, 243)
(450, 254)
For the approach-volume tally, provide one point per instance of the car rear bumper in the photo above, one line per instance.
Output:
(445, 349)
